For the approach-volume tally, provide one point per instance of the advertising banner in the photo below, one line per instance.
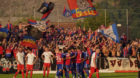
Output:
(122, 64)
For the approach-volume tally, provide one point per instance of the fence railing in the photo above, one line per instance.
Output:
(110, 63)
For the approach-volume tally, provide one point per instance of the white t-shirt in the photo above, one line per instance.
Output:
(93, 58)
(20, 57)
(47, 56)
(30, 59)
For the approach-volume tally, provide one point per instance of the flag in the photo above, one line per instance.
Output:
(111, 32)
(8, 52)
(76, 12)
(32, 22)
(4, 32)
(47, 22)
(66, 12)
(37, 23)
(40, 25)
(49, 9)
(29, 41)
(46, 15)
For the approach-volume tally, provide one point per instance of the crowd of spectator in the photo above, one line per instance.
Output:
(68, 37)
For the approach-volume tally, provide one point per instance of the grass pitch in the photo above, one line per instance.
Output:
(102, 75)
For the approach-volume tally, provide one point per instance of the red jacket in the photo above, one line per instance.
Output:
(9, 26)
(1, 50)
(0, 26)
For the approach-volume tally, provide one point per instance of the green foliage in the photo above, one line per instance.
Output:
(94, 22)
(134, 16)
(116, 12)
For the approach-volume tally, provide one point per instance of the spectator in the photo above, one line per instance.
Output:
(0, 26)
(9, 26)
(118, 51)
(56, 35)
(1, 50)
(113, 52)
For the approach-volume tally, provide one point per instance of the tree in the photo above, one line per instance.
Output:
(94, 22)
